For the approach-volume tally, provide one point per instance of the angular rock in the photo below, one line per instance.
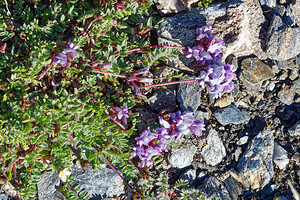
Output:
(3, 197)
(289, 18)
(233, 187)
(212, 187)
(294, 131)
(48, 186)
(163, 100)
(214, 151)
(237, 22)
(230, 115)
(269, 3)
(182, 156)
(280, 156)
(283, 42)
(278, 10)
(254, 71)
(286, 94)
(256, 164)
(202, 115)
(225, 100)
(171, 6)
(102, 184)
(295, 7)
(296, 84)
(189, 96)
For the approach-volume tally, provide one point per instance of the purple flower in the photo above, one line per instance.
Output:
(197, 128)
(139, 79)
(70, 50)
(122, 114)
(66, 55)
(61, 59)
(145, 137)
(208, 49)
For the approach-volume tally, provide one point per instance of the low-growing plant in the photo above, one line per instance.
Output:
(72, 76)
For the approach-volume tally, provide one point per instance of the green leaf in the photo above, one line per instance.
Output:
(39, 164)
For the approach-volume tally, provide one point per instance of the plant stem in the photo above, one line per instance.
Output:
(75, 147)
(153, 47)
(117, 123)
(112, 74)
(43, 74)
(116, 171)
(170, 83)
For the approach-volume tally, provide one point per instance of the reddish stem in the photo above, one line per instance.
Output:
(170, 83)
(112, 74)
(126, 156)
(89, 25)
(75, 147)
(11, 165)
(116, 171)
(43, 74)
(117, 123)
(16, 182)
(153, 47)
(148, 116)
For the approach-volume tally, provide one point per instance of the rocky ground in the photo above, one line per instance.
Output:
(251, 148)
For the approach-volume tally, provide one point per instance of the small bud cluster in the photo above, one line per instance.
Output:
(208, 52)
(122, 114)
(174, 125)
(64, 58)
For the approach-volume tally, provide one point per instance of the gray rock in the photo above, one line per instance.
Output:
(237, 22)
(98, 185)
(3, 197)
(189, 96)
(233, 187)
(269, 3)
(296, 84)
(283, 42)
(295, 8)
(294, 131)
(212, 187)
(214, 151)
(163, 100)
(256, 164)
(48, 186)
(280, 156)
(182, 156)
(171, 6)
(254, 71)
(286, 94)
(225, 100)
(230, 115)
(237, 153)
(270, 190)
(202, 115)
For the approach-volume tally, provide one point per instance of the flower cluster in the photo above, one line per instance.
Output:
(122, 114)
(208, 52)
(64, 58)
(175, 125)
(219, 77)
(209, 48)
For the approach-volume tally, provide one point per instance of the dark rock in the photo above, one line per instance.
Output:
(278, 10)
(212, 187)
(289, 18)
(214, 151)
(283, 42)
(233, 187)
(98, 185)
(163, 100)
(294, 131)
(254, 71)
(237, 22)
(190, 176)
(256, 164)
(48, 186)
(230, 115)
(189, 96)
